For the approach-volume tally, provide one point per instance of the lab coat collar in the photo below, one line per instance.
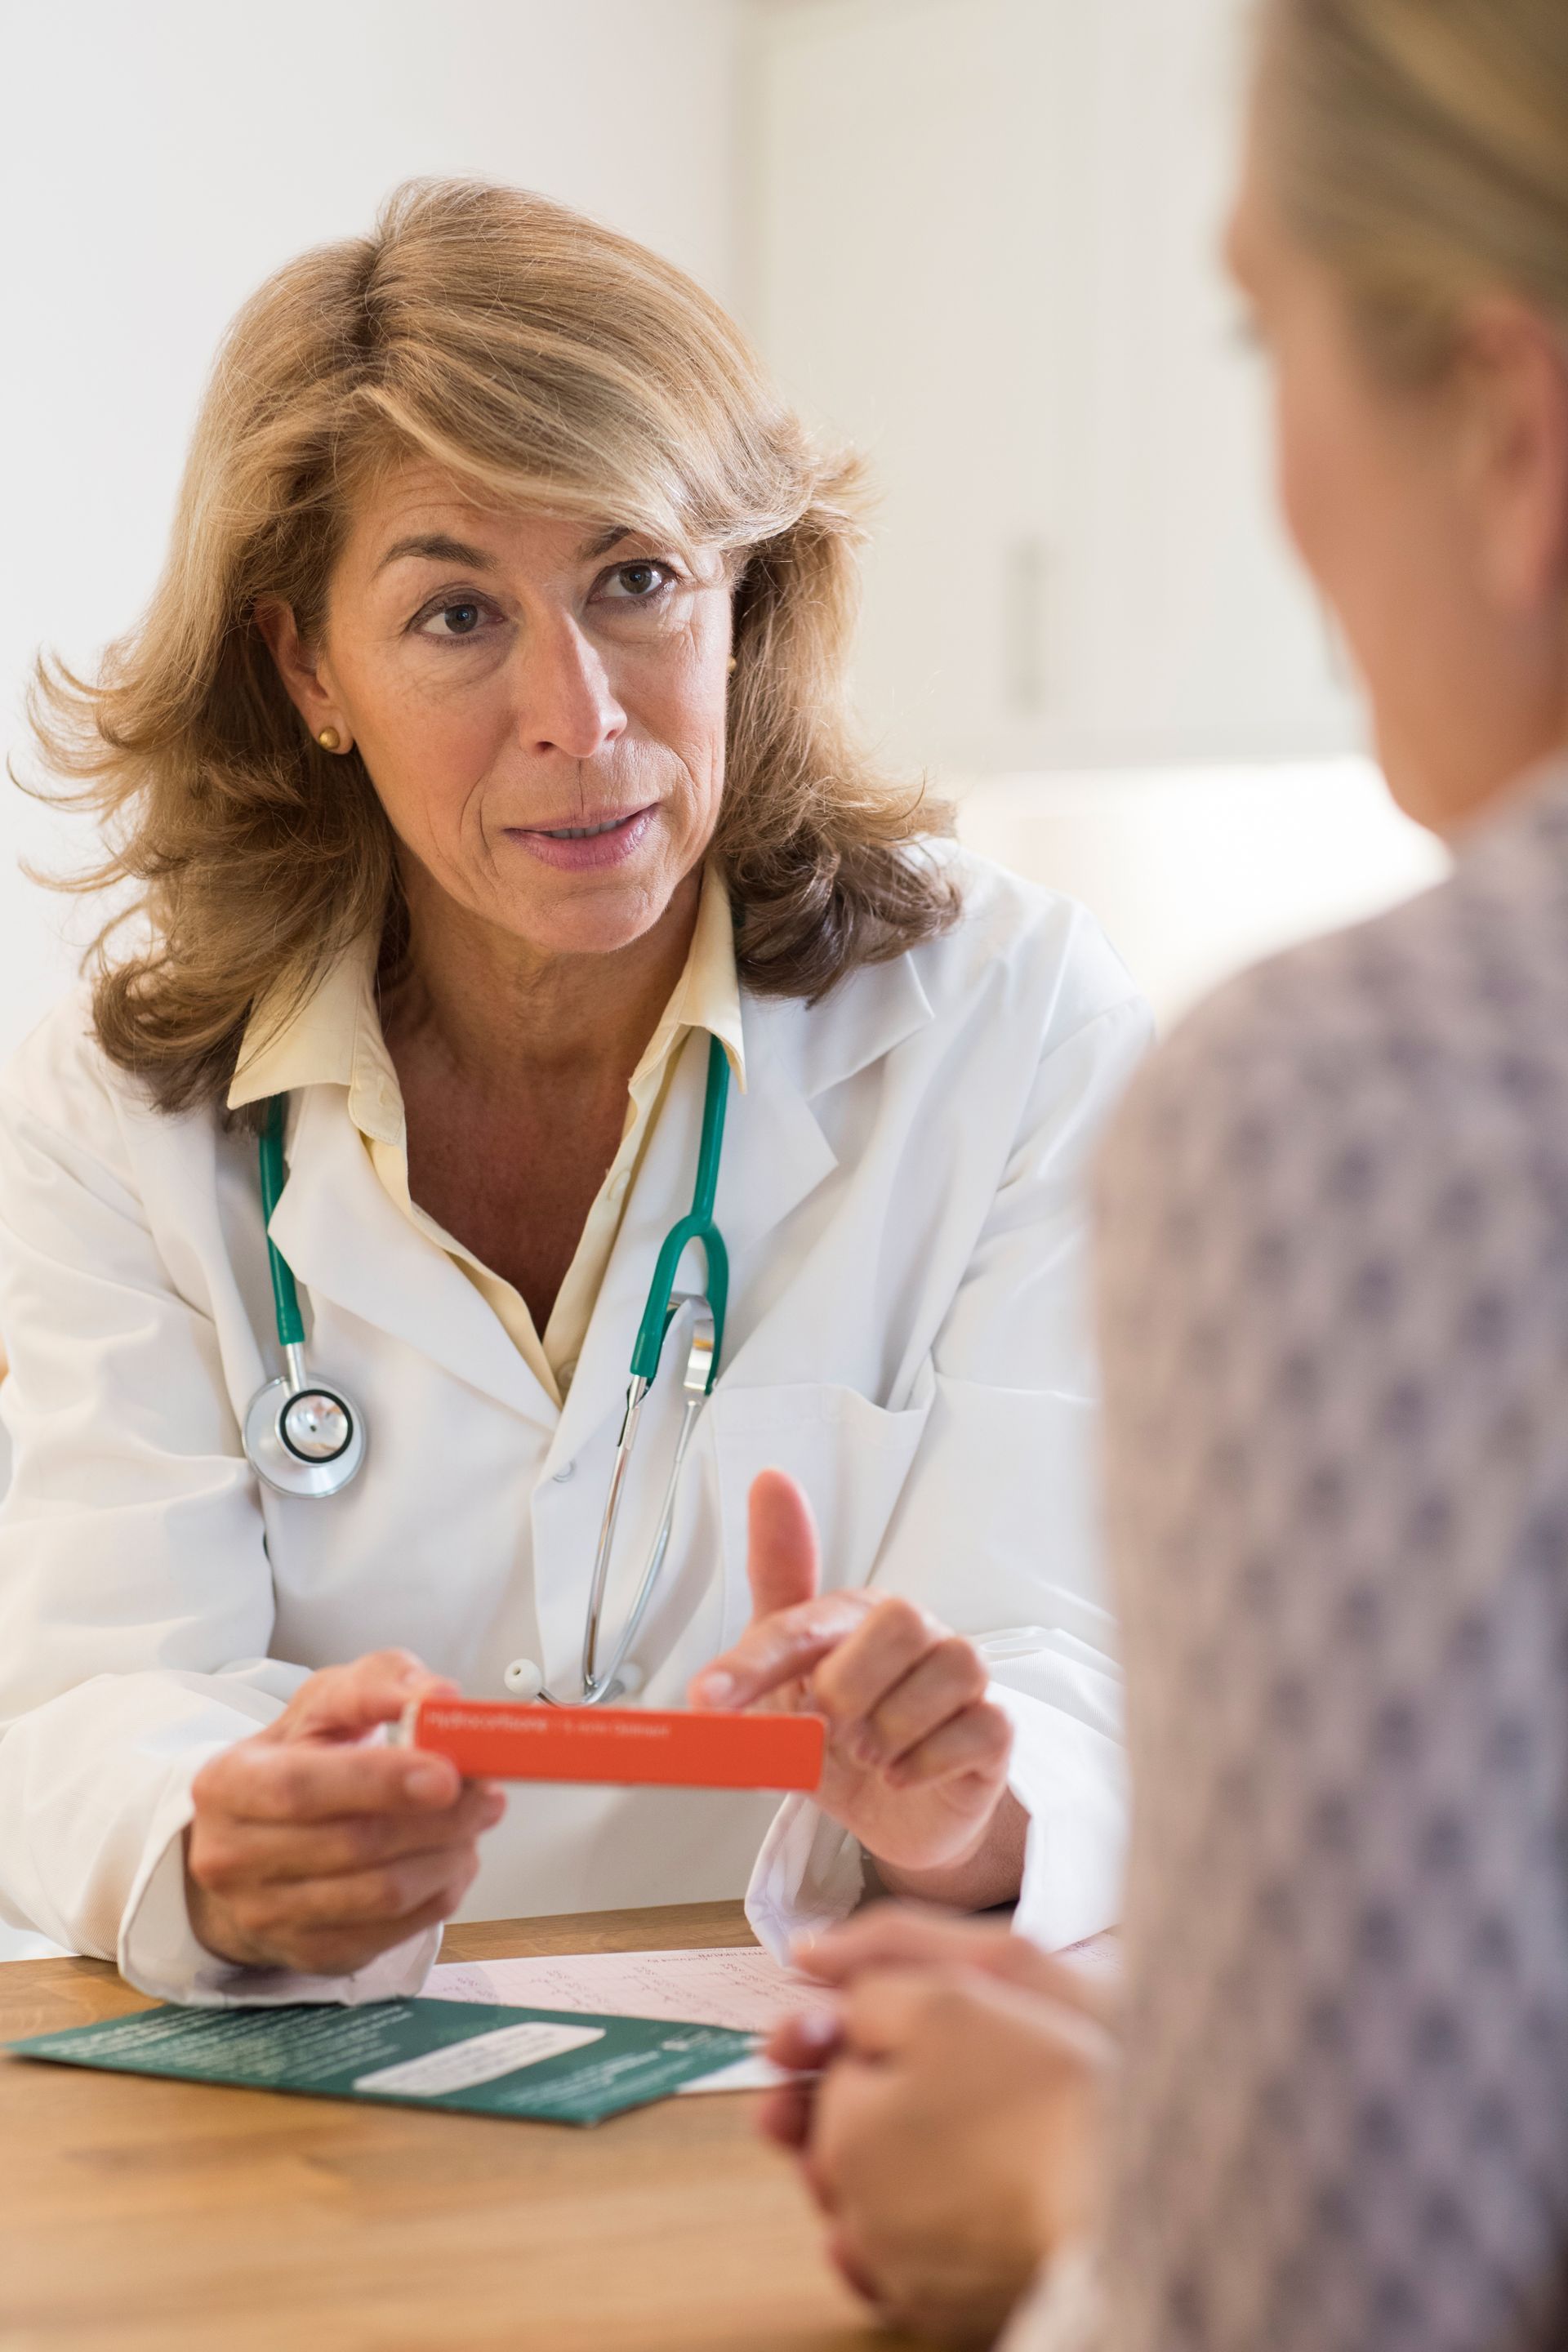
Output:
(346, 1240)
(863, 1018)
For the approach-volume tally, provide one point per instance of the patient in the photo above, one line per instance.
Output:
(1334, 1306)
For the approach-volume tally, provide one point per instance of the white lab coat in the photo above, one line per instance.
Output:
(901, 1194)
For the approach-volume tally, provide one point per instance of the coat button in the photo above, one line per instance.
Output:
(559, 1476)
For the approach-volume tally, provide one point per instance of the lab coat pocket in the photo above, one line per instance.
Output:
(852, 1458)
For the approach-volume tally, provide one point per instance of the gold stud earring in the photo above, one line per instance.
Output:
(329, 739)
(734, 664)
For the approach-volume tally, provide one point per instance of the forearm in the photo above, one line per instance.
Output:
(991, 1871)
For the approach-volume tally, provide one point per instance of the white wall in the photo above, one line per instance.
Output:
(158, 159)
(1195, 872)
(988, 248)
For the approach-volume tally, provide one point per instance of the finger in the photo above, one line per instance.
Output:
(894, 1640)
(780, 1648)
(296, 1782)
(902, 1935)
(852, 2266)
(979, 1740)
(340, 1951)
(909, 1934)
(885, 2016)
(784, 2114)
(946, 1683)
(804, 2042)
(850, 2100)
(345, 1702)
(884, 2011)
(783, 1561)
(388, 1893)
(227, 1853)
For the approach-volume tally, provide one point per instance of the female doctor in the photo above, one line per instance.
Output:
(509, 892)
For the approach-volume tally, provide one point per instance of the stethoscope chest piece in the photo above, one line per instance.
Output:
(306, 1440)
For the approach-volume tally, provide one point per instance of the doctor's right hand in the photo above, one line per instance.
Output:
(314, 1849)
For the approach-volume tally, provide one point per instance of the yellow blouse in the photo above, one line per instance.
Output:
(335, 1039)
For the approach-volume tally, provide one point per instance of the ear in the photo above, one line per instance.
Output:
(299, 666)
(1514, 383)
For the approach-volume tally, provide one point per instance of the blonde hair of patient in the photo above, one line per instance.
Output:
(1421, 148)
(551, 365)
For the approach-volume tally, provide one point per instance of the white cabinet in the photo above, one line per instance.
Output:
(986, 248)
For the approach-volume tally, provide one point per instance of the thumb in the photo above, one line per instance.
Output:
(782, 1556)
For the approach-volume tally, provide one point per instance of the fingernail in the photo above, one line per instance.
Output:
(716, 1688)
(425, 1784)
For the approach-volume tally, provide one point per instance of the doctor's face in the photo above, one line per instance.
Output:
(540, 705)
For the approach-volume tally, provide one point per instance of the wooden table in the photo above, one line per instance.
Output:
(143, 2216)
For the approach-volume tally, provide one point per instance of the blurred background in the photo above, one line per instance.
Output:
(978, 238)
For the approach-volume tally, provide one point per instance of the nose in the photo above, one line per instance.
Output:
(565, 702)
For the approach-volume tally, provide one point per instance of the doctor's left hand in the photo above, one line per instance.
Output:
(917, 1755)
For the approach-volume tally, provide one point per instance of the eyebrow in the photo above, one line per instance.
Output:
(435, 547)
(438, 547)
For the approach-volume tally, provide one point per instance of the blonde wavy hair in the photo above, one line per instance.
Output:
(547, 363)
(1420, 147)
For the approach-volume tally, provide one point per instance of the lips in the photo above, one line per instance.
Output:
(579, 832)
(588, 838)
(577, 824)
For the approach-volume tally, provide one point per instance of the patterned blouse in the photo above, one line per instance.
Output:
(1334, 1303)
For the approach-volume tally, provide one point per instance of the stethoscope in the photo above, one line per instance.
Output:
(303, 1438)
(308, 1440)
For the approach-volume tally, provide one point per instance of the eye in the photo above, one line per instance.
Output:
(461, 616)
(638, 581)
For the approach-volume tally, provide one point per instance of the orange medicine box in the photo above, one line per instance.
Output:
(501, 1740)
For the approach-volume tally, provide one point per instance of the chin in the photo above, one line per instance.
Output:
(588, 922)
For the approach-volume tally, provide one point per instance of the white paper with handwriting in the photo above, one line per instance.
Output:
(737, 1986)
(740, 1988)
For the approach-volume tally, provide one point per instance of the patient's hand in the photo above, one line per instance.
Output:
(917, 1755)
(952, 2138)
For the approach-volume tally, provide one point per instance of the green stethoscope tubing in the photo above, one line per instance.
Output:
(700, 1227)
(285, 1293)
(663, 1304)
